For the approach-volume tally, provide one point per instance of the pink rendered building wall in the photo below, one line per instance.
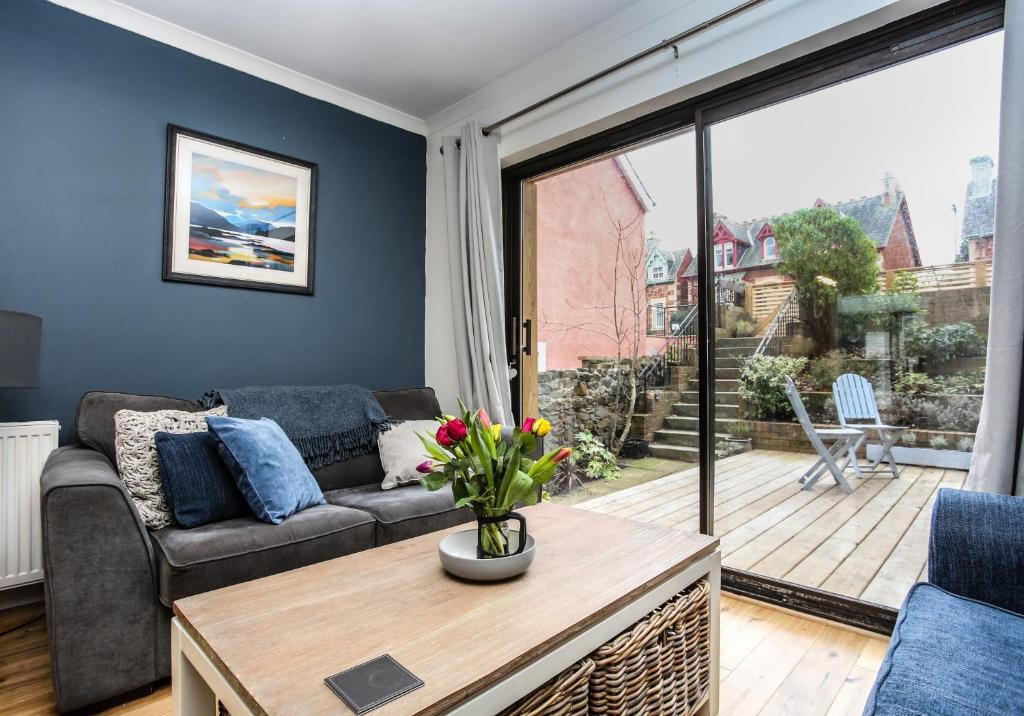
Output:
(576, 246)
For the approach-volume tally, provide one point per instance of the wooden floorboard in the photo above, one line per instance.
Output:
(869, 544)
(772, 662)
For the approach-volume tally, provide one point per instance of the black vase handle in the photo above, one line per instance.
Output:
(522, 530)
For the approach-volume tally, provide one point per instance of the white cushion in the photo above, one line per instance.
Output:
(401, 451)
(137, 462)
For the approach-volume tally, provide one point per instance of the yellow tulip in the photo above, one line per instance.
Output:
(541, 428)
(496, 432)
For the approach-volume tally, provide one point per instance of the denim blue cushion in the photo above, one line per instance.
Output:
(267, 468)
(951, 656)
(198, 487)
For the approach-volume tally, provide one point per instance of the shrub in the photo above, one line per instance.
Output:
(823, 370)
(943, 343)
(739, 429)
(743, 328)
(927, 412)
(971, 383)
(910, 383)
(596, 461)
(763, 385)
(908, 438)
(966, 444)
(938, 442)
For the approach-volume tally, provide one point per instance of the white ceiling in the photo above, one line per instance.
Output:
(416, 56)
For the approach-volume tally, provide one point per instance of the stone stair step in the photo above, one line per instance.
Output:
(689, 422)
(722, 397)
(687, 438)
(689, 410)
(728, 362)
(727, 373)
(747, 342)
(675, 452)
(734, 351)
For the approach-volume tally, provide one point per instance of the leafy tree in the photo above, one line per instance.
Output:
(827, 255)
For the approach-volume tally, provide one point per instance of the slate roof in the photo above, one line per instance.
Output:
(875, 218)
(980, 214)
(673, 259)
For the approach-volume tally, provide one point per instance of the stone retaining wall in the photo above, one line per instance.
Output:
(577, 399)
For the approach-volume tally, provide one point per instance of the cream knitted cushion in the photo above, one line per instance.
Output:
(137, 463)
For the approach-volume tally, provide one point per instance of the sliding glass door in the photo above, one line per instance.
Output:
(825, 227)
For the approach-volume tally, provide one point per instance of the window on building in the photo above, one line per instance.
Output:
(656, 316)
(658, 272)
(718, 257)
(728, 254)
(770, 249)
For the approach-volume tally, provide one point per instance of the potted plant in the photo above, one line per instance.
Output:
(739, 436)
(490, 470)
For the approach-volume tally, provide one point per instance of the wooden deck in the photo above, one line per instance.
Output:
(871, 544)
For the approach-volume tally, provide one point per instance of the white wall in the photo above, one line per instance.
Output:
(761, 38)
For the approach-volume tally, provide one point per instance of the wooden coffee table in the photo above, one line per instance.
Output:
(265, 646)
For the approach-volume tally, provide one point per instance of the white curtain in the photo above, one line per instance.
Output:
(996, 466)
(472, 187)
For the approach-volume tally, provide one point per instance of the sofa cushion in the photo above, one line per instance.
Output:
(951, 655)
(403, 512)
(266, 466)
(94, 419)
(197, 484)
(191, 561)
(407, 404)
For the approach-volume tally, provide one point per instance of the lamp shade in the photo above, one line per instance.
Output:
(20, 335)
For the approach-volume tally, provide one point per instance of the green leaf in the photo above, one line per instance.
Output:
(433, 450)
(434, 481)
(511, 469)
(519, 486)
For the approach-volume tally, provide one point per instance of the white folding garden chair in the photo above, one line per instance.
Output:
(856, 408)
(844, 440)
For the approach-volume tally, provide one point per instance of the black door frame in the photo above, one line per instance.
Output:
(931, 30)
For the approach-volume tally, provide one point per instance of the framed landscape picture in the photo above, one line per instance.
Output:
(237, 216)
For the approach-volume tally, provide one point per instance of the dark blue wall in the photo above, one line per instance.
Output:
(84, 108)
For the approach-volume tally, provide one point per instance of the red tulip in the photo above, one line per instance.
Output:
(456, 430)
(485, 419)
(528, 425)
(426, 467)
(561, 455)
(442, 436)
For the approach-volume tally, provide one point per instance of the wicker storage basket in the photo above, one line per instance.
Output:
(565, 695)
(661, 665)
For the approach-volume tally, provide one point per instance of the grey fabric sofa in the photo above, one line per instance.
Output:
(110, 582)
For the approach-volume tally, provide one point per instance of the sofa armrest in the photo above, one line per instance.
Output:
(976, 547)
(100, 581)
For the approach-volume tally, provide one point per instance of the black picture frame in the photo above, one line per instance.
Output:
(176, 132)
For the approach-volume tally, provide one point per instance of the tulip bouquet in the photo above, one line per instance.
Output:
(490, 469)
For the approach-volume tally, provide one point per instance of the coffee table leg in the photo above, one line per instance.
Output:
(189, 692)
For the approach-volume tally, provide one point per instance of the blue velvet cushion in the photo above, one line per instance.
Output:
(951, 656)
(198, 487)
(267, 468)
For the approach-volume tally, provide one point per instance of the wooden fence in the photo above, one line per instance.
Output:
(762, 299)
(966, 274)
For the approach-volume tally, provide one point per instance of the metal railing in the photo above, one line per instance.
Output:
(781, 327)
(682, 339)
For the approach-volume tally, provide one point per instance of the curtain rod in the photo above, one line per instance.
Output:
(671, 42)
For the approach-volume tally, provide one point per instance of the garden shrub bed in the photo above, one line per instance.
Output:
(789, 437)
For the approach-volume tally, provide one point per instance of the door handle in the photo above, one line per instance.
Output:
(528, 343)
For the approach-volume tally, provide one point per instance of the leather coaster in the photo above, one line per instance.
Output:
(372, 684)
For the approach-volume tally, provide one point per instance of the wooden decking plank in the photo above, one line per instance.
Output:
(795, 549)
(808, 504)
(820, 564)
(910, 556)
(736, 498)
(815, 681)
(732, 475)
(857, 570)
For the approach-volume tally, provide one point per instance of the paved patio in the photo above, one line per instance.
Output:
(871, 544)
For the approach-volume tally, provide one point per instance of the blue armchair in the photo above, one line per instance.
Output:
(958, 645)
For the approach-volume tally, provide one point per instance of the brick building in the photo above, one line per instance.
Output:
(979, 211)
(749, 252)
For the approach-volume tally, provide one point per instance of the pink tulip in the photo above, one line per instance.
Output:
(485, 419)
(426, 467)
(561, 455)
(528, 425)
(456, 430)
(442, 436)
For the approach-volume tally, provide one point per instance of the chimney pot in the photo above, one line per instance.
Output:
(981, 176)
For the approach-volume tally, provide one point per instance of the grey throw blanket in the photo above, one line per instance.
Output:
(326, 423)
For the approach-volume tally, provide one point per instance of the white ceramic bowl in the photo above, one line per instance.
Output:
(458, 557)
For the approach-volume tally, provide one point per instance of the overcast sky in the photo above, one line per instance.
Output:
(922, 121)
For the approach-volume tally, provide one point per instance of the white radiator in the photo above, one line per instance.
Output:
(23, 450)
